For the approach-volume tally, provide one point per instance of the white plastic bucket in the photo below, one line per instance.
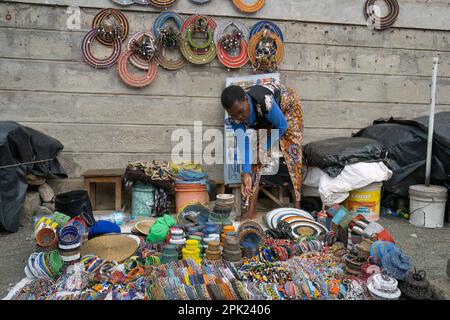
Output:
(427, 205)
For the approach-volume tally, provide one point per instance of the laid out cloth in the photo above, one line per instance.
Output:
(352, 177)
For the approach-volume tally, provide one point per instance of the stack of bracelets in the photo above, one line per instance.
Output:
(141, 51)
(107, 35)
(232, 47)
(168, 38)
(249, 8)
(194, 51)
(278, 250)
(69, 243)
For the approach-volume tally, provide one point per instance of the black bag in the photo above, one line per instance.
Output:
(75, 203)
(332, 155)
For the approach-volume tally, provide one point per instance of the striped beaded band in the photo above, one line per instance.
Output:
(134, 81)
(89, 57)
(259, 64)
(162, 3)
(135, 59)
(266, 24)
(122, 24)
(249, 8)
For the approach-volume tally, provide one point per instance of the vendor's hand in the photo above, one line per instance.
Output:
(246, 187)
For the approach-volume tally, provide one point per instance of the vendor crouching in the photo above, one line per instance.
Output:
(268, 107)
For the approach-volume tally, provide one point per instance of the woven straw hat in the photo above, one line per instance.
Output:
(111, 247)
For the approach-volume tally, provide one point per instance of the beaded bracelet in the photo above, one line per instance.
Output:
(249, 8)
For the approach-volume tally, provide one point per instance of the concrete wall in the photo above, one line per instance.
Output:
(346, 75)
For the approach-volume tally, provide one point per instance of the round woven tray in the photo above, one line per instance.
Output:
(111, 247)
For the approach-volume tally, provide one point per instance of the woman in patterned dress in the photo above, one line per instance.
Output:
(267, 107)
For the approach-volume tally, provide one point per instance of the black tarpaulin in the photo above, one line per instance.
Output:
(18, 145)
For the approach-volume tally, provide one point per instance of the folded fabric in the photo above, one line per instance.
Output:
(352, 177)
(103, 227)
(396, 263)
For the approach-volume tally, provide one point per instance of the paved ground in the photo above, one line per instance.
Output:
(429, 248)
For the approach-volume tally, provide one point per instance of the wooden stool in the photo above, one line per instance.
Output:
(236, 190)
(92, 177)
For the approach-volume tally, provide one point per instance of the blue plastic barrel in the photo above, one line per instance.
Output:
(142, 200)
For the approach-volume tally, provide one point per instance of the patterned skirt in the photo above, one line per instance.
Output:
(291, 141)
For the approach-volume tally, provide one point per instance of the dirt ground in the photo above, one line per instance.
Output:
(429, 248)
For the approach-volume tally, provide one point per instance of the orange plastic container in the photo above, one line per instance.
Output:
(186, 193)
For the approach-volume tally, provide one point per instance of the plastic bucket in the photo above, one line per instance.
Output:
(142, 200)
(427, 205)
(189, 193)
(366, 201)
